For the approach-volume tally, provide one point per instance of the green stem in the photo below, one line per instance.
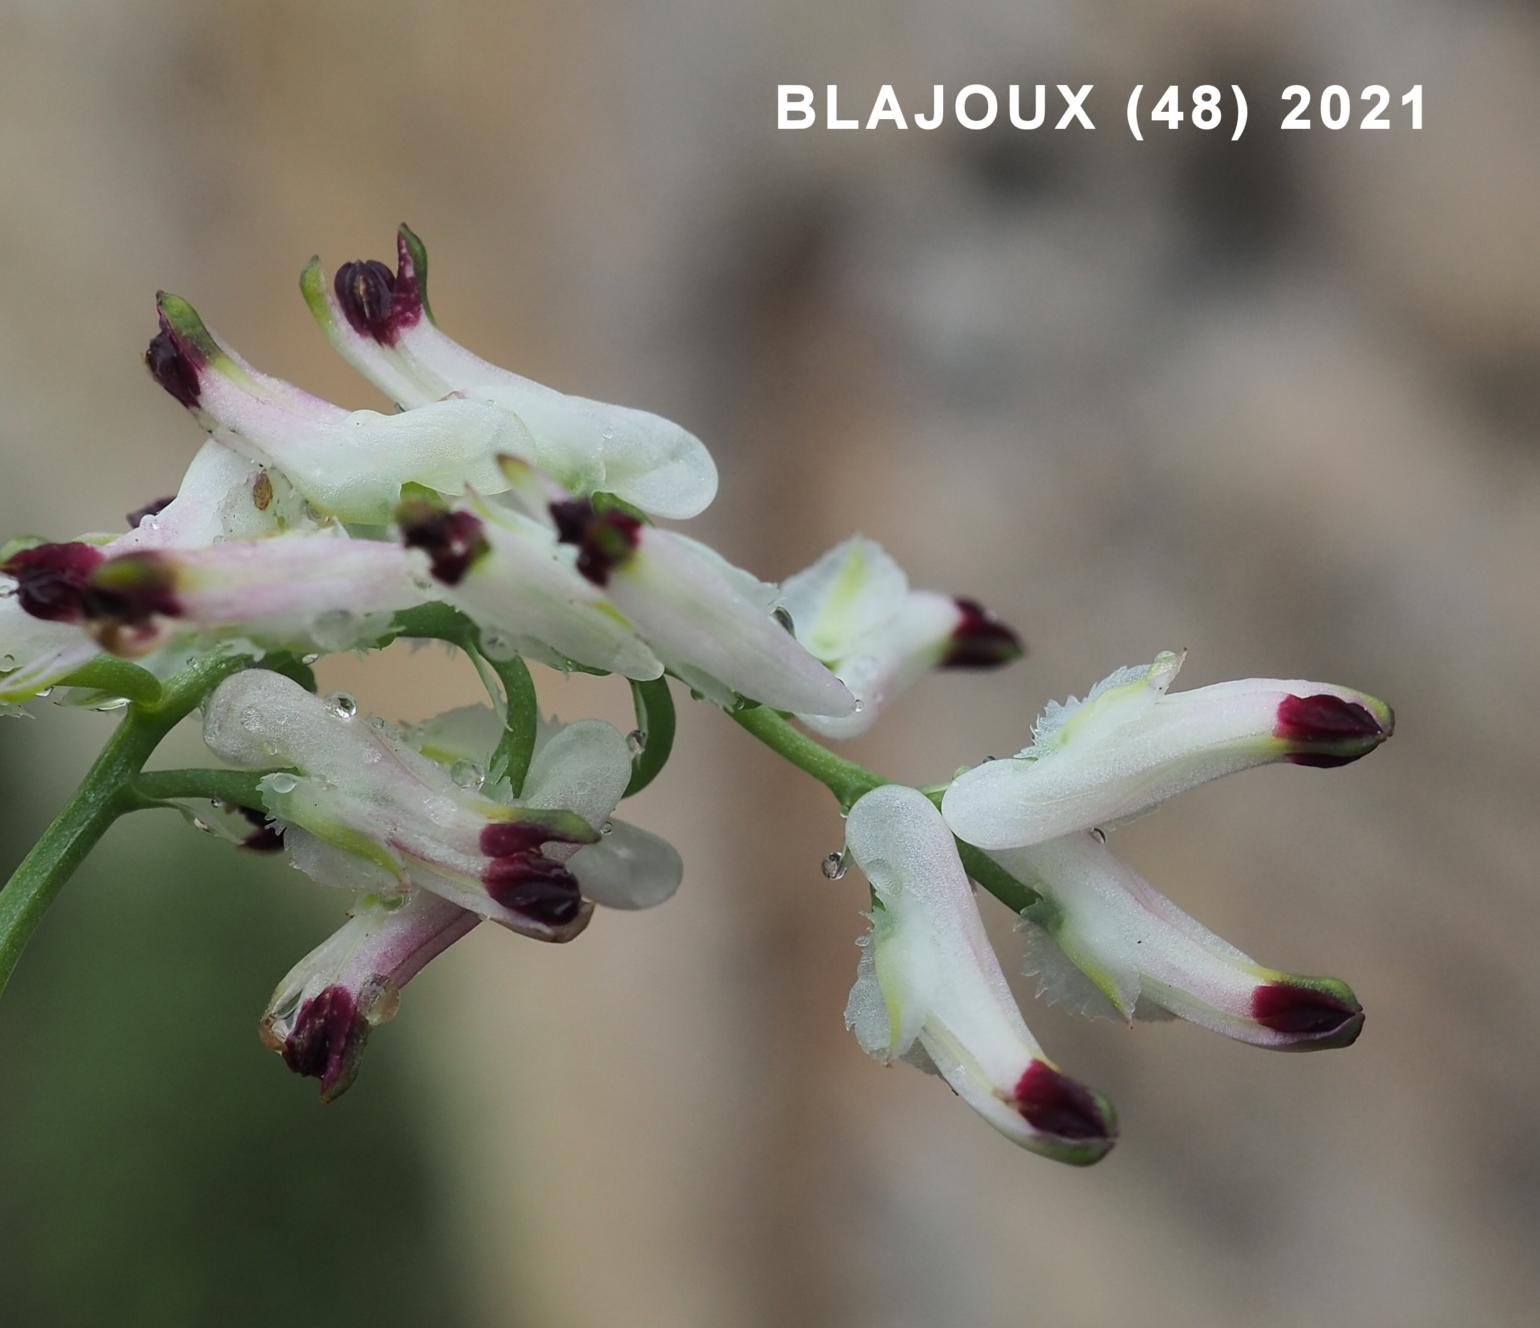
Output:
(521, 718)
(848, 781)
(655, 723)
(155, 788)
(103, 795)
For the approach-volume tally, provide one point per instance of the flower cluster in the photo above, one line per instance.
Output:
(520, 523)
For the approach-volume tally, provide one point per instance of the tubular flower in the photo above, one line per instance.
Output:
(712, 624)
(381, 323)
(853, 609)
(223, 496)
(1103, 939)
(284, 591)
(321, 1014)
(364, 810)
(1129, 746)
(347, 464)
(929, 988)
(509, 574)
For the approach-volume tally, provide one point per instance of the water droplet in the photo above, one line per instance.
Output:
(309, 659)
(466, 774)
(336, 629)
(251, 719)
(282, 782)
(636, 742)
(860, 705)
(1098, 834)
(198, 823)
(112, 703)
(834, 866)
(783, 616)
(607, 827)
(149, 521)
(7, 663)
(342, 705)
(45, 694)
(379, 1000)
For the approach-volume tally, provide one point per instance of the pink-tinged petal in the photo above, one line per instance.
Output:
(316, 591)
(352, 465)
(322, 1013)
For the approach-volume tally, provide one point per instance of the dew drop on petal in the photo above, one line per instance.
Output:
(251, 719)
(1098, 834)
(45, 693)
(7, 663)
(607, 827)
(198, 823)
(342, 705)
(466, 774)
(379, 1000)
(636, 742)
(834, 866)
(860, 705)
(309, 659)
(282, 782)
(113, 703)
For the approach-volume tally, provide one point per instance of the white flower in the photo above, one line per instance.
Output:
(508, 573)
(381, 322)
(223, 496)
(1103, 939)
(712, 624)
(854, 610)
(347, 464)
(1129, 746)
(299, 591)
(929, 988)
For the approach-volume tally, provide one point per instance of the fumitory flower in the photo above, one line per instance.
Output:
(929, 988)
(321, 1014)
(381, 322)
(1108, 942)
(223, 496)
(301, 590)
(348, 464)
(1129, 746)
(854, 610)
(714, 625)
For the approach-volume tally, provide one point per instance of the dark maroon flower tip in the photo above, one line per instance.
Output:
(51, 579)
(534, 885)
(265, 837)
(1325, 1014)
(172, 366)
(500, 839)
(980, 640)
(453, 540)
(327, 1041)
(377, 302)
(604, 539)
(1053, 1103)
(1327, 731)
(153, 508)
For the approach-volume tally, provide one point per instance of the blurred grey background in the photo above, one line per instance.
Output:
(1274, 402)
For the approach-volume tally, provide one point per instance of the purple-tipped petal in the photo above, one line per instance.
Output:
(537, 887)
(327, 1041)
(605, 540)
(172, 367)
(1053, 1103)
(452, 539)
(1325, 1014)
(1327, 731)
(980, 640)
(52, 579)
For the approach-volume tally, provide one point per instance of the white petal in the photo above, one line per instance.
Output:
(845, 597)
(629, 868)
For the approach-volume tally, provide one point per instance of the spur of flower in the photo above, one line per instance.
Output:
(522, 525)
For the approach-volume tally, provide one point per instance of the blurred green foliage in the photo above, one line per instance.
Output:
(158, 1166)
